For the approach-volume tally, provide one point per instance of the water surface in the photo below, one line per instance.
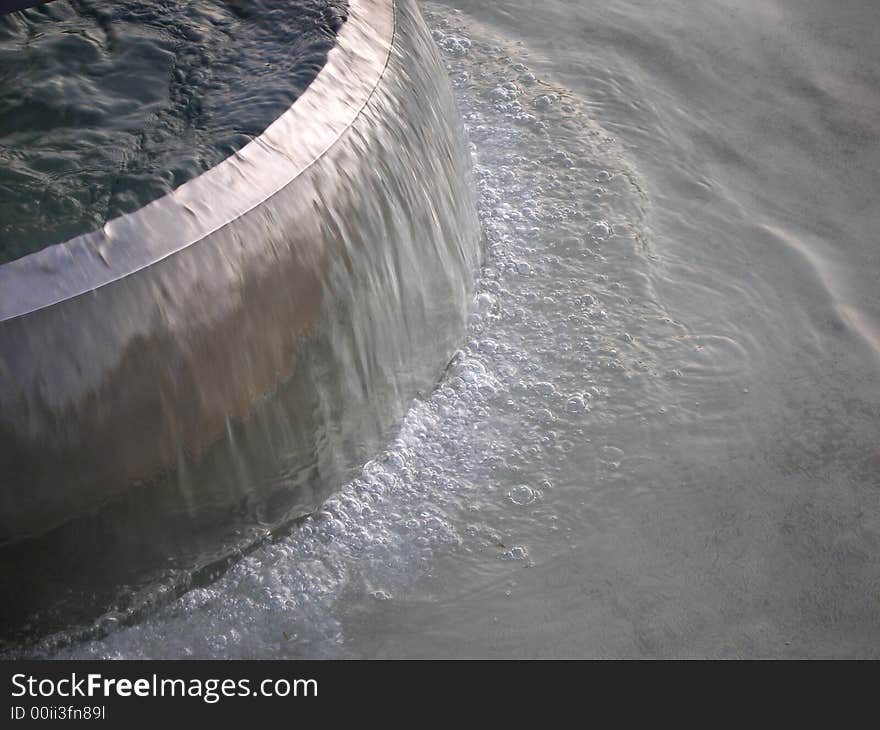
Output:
(660, 435)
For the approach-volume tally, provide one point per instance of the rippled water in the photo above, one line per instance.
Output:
(660, 435)
(107, 106)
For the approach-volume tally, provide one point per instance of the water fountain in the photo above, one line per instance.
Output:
(198, 372)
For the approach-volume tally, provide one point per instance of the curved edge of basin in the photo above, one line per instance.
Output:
(289, 145)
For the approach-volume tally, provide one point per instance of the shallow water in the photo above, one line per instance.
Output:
(660, 436)
(105, 107)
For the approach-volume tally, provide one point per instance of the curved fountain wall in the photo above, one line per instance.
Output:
(214, 364)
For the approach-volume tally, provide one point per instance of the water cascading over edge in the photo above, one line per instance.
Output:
(215, 364)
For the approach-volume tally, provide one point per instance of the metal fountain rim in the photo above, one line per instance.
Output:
(288, 147)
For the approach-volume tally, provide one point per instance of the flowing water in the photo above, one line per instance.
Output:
(660, 436)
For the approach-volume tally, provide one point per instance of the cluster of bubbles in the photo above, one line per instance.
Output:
(557, 338)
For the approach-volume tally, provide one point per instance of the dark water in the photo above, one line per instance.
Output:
(107, 106)
(661, 435)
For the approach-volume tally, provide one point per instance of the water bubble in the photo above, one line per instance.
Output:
(527, 120)
(522, 495)
(485, 303)
(544, 388)
(455, 45)
(517, 552)
(600, 230)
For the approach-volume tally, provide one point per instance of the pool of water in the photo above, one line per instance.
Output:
(107, 106)
(660, 435)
